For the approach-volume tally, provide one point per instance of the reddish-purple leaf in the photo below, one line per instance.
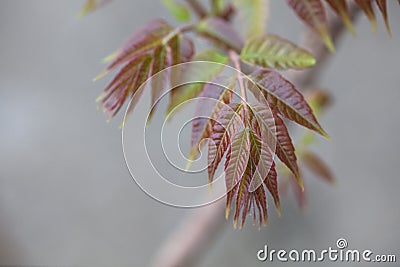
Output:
(382, 5)
(341, 9)
(242, 189)
(227, 124)
(368, 10)
(281, 139)
(144, 40)
(124, 88)
(316, 165)
(284, 97)
(312, 12)
(272, 185)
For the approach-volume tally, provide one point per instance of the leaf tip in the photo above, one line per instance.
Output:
(101, 75)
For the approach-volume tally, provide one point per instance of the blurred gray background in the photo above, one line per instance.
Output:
(66, 197)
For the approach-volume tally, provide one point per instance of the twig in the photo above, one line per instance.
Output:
(191, 240)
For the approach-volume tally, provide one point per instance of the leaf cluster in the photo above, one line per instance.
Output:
(251, 137)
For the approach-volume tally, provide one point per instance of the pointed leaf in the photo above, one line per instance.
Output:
(383, 9)
(272, 185)
(285, 98)
(227, 124)
(366, 7)
(125, 85)
(341, 9)
(316, 165)
(144, 40)
(254, 14)
(272, 51)
(238, 159)
(312, 13)
(178, 11)
(220, 32)
(136, 91)
(242, 196)
(284, 146)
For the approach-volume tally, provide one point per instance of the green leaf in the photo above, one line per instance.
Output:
(196, 72)
(272, 51)
(312, 12)
(220, 32)
(178, 11)
(285, 98)
(254, 14)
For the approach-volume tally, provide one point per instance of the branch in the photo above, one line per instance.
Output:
(190, 241)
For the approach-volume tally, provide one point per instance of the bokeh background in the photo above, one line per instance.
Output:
(66, 197)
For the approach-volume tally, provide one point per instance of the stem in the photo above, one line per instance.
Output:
(236, 62)
(178, 30)
(197, 8)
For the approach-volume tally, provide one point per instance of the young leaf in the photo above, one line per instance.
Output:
(178, 11)
(284, 146)
(242, 197)
(220, 32)
(272, 51)
(383, 9)
(196, 72)
(312, 12)
(368, 10)
(341, 9)
(272, 185)
(316, 165)
(254, 14)
(201, 127)
(227, 124)
(144, 40)
(114, 99)
(285, 98)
